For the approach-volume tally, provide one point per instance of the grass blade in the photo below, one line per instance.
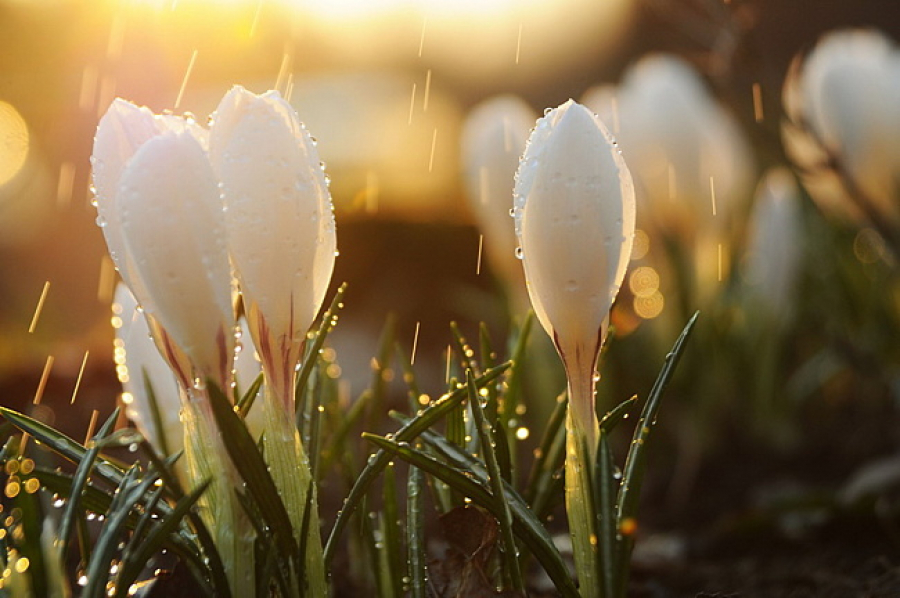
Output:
(329, 321)
(61, 444)
(525, 525)
(635, 462)
(378, 461)
(131, 566)
(605, 496)
(415, 539)
(495, 478)
(67, 521)
(392, 530)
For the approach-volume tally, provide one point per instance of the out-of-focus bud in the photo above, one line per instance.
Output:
(843, 125)
(692, 169)
(681, 145)
(159, 207)
(281, 230)
(574, 218)
(138, 363)
(775, 247)
(493, 140)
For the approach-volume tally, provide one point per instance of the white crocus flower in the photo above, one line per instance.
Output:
(281, 235)
(172, 221)
(280, 224)
(775, 247)
(575, 211)
(158, 205)
(844, 124)
(493, 140)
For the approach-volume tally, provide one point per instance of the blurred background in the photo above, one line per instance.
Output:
(385, 86)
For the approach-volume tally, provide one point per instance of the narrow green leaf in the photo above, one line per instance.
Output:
(246, 402)
(268, 564)
(61, 444)
(304, 533)
(392, 529)
(377, 390)
(67, 521)
(512, 396)
(488, 360)
(127, 496)
(133, 563)
(464, 350)
(615, 416)
(605, 496)
(329, 321)
(377, 462)
(526, 526)
(415, 534)
(31, 520)
(635, 462)
(495, 478)
(250, 464)
(335, 447)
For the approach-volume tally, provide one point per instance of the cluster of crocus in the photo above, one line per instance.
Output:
(187, 211)
(843, 127)
(574, 210)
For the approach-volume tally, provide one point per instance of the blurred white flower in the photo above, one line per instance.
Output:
(843, 126)
(493, 139)
(574, 218)
(775, 247)
(159, 207)
(136, 358)
(676, 138)
(280, 224)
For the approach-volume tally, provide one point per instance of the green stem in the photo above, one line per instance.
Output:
(290, 471)
(580, 448)
(219, 509)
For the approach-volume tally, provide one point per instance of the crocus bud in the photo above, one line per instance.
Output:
(843, 125)
(574, 218)
(776, 244)
(159, 207)
(138, 363)
(493, 140)
(574, 212)
(280, 223)
(281, 235)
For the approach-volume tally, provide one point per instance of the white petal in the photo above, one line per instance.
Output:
(280, 223)
(172, 222)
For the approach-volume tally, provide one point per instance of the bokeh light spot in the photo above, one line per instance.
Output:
(641, 245)
(649, 307)
(13, 142)
(644, 281)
